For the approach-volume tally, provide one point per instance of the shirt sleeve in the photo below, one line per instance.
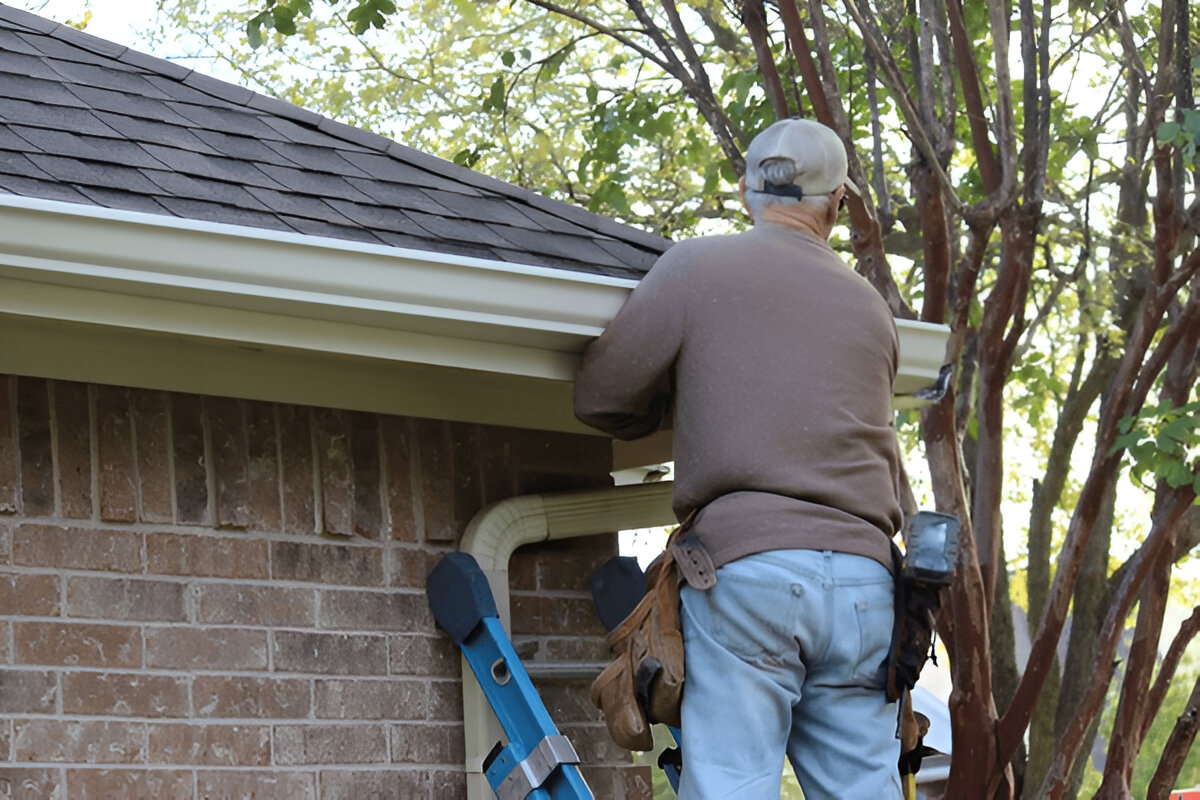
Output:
(624, 386)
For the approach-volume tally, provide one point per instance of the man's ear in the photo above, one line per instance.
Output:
(742, 194)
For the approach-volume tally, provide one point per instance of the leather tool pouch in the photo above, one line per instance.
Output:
(644, 682)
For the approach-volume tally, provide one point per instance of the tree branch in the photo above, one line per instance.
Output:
(754, 18)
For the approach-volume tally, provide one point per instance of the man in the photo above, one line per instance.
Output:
(778, 361)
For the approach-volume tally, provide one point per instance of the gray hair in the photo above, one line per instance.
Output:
(780, 171)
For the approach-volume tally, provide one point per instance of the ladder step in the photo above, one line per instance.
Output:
(565, 670)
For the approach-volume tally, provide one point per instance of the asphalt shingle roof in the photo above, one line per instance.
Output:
(84, 120)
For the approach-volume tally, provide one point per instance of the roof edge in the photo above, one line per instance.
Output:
(242, 96)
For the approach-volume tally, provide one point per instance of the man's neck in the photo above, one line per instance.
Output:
(796, 217)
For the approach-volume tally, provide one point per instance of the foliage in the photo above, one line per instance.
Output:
(1164, 444)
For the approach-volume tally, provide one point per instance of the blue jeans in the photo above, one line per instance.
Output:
(785, 655)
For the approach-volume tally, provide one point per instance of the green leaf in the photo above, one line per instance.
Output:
(496, 98)
(507, 58)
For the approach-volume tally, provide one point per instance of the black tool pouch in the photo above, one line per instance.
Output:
(921, 573)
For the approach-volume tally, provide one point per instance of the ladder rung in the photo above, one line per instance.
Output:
(565, 670)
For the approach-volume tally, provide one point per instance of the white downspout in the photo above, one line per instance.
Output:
(498, 530)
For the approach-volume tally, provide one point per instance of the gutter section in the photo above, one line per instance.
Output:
(498, 530)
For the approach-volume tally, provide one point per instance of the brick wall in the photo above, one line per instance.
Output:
(204, 597)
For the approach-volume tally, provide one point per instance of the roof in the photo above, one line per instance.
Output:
(91, 122)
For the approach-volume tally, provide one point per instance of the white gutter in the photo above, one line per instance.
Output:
(492, 537)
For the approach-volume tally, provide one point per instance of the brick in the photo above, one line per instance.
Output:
(446, 700)
(397, 784)
(568, 648)
(231, 467)
(594, 745)
(330, 744)
(371, 699)
(34, 440)
(127, 599)
(243, 604)
(27, 692)
(365, 455)
(78, 645)
(388, 611)
(77, 548)
(554, 616)
(330, 653)
(561, 461)
(114, 460)
(75, 742)
(111, 784)
(153, 452)
(437, 481)
(6, 654)
(32, 783)
(208, 556)
(567, 565)
(191, 475)
(398, 454)
(30, 595)
(5, 745)
(568, 702)
(296, 469)
(327, 563)
(409, 567)
(425, 656)
(423, 743)
(331, 434)
(262, 451)
(9, 449)
(72, 414)
(258, 785)
(121, 694)
(251, 698)
(497, 464)
(630, 783)
(206, 648)
(210, 745)
(5, 543)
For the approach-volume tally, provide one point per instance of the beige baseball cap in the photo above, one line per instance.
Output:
(815, 149)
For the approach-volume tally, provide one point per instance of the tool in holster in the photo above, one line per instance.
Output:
(537, 762)
(921, 573)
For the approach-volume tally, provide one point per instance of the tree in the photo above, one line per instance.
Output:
(1055, 236)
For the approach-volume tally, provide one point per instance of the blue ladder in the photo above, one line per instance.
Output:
(538, 762)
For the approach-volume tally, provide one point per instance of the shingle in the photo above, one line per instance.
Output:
(11, 43)
(629, 255)
(206, 166)
(314, 183)
(287, 130)
(298, 205)
(129, 105)
(20, 87)
(79, 120)
(548, 222)
(25, 64)
(245, 148)
(108, 176)
(481, 208)
(440, 246)
(321, 159)
(229, 194)
(18, 164)
(154, 132)
(160, 66)
(215, 212)
(313, 227)
(274, 106)
(45, 190)
(62, 143)
(464, 230)
(349, 133)
(238, 95)
(120, 80)
(55, 49)
(29, 21)
(377, 217)
(10, 141)
(390, 169)
(127, 201)
(574, 247)
(226, 120)
(86, 41)
(395, 195)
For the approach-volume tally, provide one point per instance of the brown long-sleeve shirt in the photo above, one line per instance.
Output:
(779, 361)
